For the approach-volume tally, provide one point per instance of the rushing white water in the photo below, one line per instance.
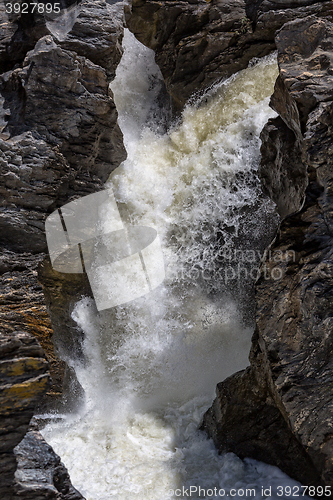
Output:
(152, 364)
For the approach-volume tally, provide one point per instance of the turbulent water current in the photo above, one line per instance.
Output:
(151, 365)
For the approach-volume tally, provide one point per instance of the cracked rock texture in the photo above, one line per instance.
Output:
(59, 137)
(198, 42)
(22, 307)
(286, 394)
(59, 140)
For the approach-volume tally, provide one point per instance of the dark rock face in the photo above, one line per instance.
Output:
(60, 137)
(23, 30)
(62, 292)
(283, 173)
(59, 140)
(197, 43)
(24, 378)
(291, 357)
(244, 419)
(18, 36)
(97, 35)
(22, 308)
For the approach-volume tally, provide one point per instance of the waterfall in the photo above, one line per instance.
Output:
(151, 365)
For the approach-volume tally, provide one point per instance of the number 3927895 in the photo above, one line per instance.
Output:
(31, 7)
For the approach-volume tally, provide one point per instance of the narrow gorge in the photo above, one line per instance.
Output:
(209, 122)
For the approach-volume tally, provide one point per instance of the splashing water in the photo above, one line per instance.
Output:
(152, 365)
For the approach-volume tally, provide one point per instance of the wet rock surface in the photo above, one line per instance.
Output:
(283, 173)
(198, 43)
(61, 292)
(59, 140)
(97, 34)
(245, 420)
(291, 356)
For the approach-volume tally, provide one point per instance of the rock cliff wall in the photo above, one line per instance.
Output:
(24, 379)
(199, 42)
(280, 410)
(29, 468)
(59, 140)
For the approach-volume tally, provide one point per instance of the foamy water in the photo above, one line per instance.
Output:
(152, 365)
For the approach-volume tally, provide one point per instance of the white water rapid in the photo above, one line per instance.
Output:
(152, 365)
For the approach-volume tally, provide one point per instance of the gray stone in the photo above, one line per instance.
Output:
(24, 378)
(59, 135)
(245, 420)
(40, 474)
(97, 34)
(282, 171)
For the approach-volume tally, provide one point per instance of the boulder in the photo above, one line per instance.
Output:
(245, 420)
(40, 474)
